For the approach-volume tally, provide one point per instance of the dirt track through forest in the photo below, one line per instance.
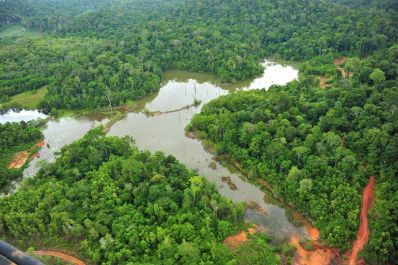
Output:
(323, 255)
(60, 255)
(363, 231)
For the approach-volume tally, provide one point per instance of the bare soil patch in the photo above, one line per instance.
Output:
(20, 158)
(230, 183)
(341, 60)
(313, 233)
(323, 82)
(319, 256)
(60, 255)
(338, 62)
(236, 240)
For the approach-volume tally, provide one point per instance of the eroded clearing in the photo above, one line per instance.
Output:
(338, 62)
(21, 157)
(19, 160)
(319, 256)
(323, 82)
(235, 241)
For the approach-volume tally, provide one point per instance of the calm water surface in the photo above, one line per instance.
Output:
(57, 133)
(165, 132)
(22, 115)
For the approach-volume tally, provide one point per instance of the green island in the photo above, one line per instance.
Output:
(316, 142)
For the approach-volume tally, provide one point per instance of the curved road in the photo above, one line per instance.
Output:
(60, 255)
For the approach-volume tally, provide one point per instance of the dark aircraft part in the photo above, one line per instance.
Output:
(11, 255)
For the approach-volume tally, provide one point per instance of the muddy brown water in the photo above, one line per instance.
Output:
(166, 133)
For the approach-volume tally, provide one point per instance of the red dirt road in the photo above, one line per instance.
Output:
(323, 255)
(60, 255)
(363, 231)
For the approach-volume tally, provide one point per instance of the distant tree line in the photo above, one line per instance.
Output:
(115, 54)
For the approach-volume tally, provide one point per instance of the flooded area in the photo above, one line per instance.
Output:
(275, 74)
(166, 133)
(182, 95)
(57, 133)
(21, 115)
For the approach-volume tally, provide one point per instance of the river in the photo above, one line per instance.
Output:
(172, 108)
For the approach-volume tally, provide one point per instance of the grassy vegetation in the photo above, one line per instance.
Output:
(29, 99)
(18, 30)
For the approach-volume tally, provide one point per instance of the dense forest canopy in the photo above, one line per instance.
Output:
(123, 206)
(316, 140)
(384, 4)
(318, 147)
(127, 49)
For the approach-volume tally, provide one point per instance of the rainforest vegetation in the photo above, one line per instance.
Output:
(315, 145)
(15, 137)
(318, 147)
(118, 53)
(123, 206)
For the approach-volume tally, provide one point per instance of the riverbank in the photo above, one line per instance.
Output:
(234, 166)
(166, 133)
(21, 158)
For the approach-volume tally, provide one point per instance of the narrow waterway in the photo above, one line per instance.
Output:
(160, 125)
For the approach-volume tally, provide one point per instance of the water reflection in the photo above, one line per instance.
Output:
(15, 115)
(166, 133)
(275, 74)
(59, 133)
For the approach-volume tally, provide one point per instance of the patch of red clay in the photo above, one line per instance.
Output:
(319, 256)
(363, 231)
(41, 144)
(19, 160)
(60, 255)
(235, 241)
(313, 233)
